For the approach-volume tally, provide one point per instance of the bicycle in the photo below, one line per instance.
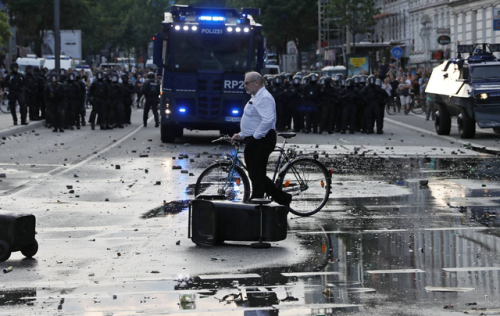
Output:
(4, 103)
(307, 179)
(393, 106)
(417, 104)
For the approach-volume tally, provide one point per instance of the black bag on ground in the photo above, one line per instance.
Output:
(213, 222)
(17, 233)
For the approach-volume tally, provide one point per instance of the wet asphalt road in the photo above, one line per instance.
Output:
(383, 245)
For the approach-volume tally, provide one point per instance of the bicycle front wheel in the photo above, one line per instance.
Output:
(309, 183)
(417, 106)
(392, 107)
(4, 106)
(217, 179)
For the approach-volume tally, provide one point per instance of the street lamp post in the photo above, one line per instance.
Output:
(57, 35)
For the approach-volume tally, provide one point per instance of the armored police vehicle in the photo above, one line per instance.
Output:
(202, 56)
(468, 88)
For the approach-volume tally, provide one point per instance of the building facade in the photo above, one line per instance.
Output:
(474, 22)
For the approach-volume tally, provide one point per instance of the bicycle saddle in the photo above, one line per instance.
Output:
(287, 135)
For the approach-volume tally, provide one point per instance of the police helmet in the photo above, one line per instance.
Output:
(288, 77)
(78, 75)
(277, 79)
(371, 80)
(299, 75)
(313, 78)
(297, 80)
(355, 79)
(71, 77)
(100, 75)
(338, 77)
(349, 82)
(53, 77)
(327, 80)
(378, 82)
(29, 69)
(62, 71)
(342, 82)
(151, 75)
(362, 79)
(125, 76)
(114, 77)
(36, 70)
(14, 67)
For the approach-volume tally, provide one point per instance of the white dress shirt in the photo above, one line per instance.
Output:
(259, 116)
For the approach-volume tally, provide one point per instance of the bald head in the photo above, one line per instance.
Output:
(254, 76)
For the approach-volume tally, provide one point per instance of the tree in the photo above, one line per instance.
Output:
(33, 17)
(4, 29)
(358, 15)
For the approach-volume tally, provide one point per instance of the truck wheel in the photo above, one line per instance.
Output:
(5, 250)
(179, 132)
(30, 251)
(443, 121)
(167, 134)
(466, 125)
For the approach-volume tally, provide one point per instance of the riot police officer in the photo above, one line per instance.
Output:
(81, 111)
(54, 98)
(73, 99)
(151, 89)
(40, 79)
(328, 100)
(31, 93)
(383, 99)
(116, 93)
(98, 95)
(278, 92)
(16, 84)
(128, 92)
(294, 94)
(311, 103)
(337, 112)
(349, 101)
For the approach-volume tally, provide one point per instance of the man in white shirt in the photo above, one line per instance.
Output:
(258, 125)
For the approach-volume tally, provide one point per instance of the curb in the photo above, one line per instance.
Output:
(21, 128)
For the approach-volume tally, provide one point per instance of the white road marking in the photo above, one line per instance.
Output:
(345, 141)
(418, 129)
(302, 274)
(456, 125)
(65, 169)
(448, 289)
(228, 276)
(471, 269)
(397, 271)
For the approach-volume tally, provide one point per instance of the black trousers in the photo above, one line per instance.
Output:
(153, 106)
(257, 153)
(32, 104)
(19, 97)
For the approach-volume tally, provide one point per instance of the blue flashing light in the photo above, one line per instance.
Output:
(235, 112)
(212, 18)
(182, 110)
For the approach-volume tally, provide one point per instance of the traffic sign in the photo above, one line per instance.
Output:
(496, 25)
(397, 52)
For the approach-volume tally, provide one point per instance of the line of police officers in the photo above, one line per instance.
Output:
(61, 98)
(333, 105)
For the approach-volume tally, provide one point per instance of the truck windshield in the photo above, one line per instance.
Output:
(193, 52)
(489, 72)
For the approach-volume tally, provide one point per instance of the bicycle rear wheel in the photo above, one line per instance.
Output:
(216, 180)
(417, 106)
(4, 106)
(309, 183)
(392, 107)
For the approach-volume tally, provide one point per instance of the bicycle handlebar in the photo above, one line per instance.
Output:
(227, 138)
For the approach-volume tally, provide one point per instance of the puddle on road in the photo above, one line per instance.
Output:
(362, 255)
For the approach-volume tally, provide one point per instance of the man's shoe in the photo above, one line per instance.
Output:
(78, 127)
(61, 130)
(351, 132)
(331, 132)
(287, 199)
(103, 127)
(54, 130)
(157, 124)
(83, 123)
(92, 127)
(109, 127)
(24, 123)
(120, 126)
(342, 132)
(145, 124)
(380, 132)
(72, 128)
(15, 123)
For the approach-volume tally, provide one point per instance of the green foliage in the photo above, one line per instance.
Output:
(358, 15)
(4, 29)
